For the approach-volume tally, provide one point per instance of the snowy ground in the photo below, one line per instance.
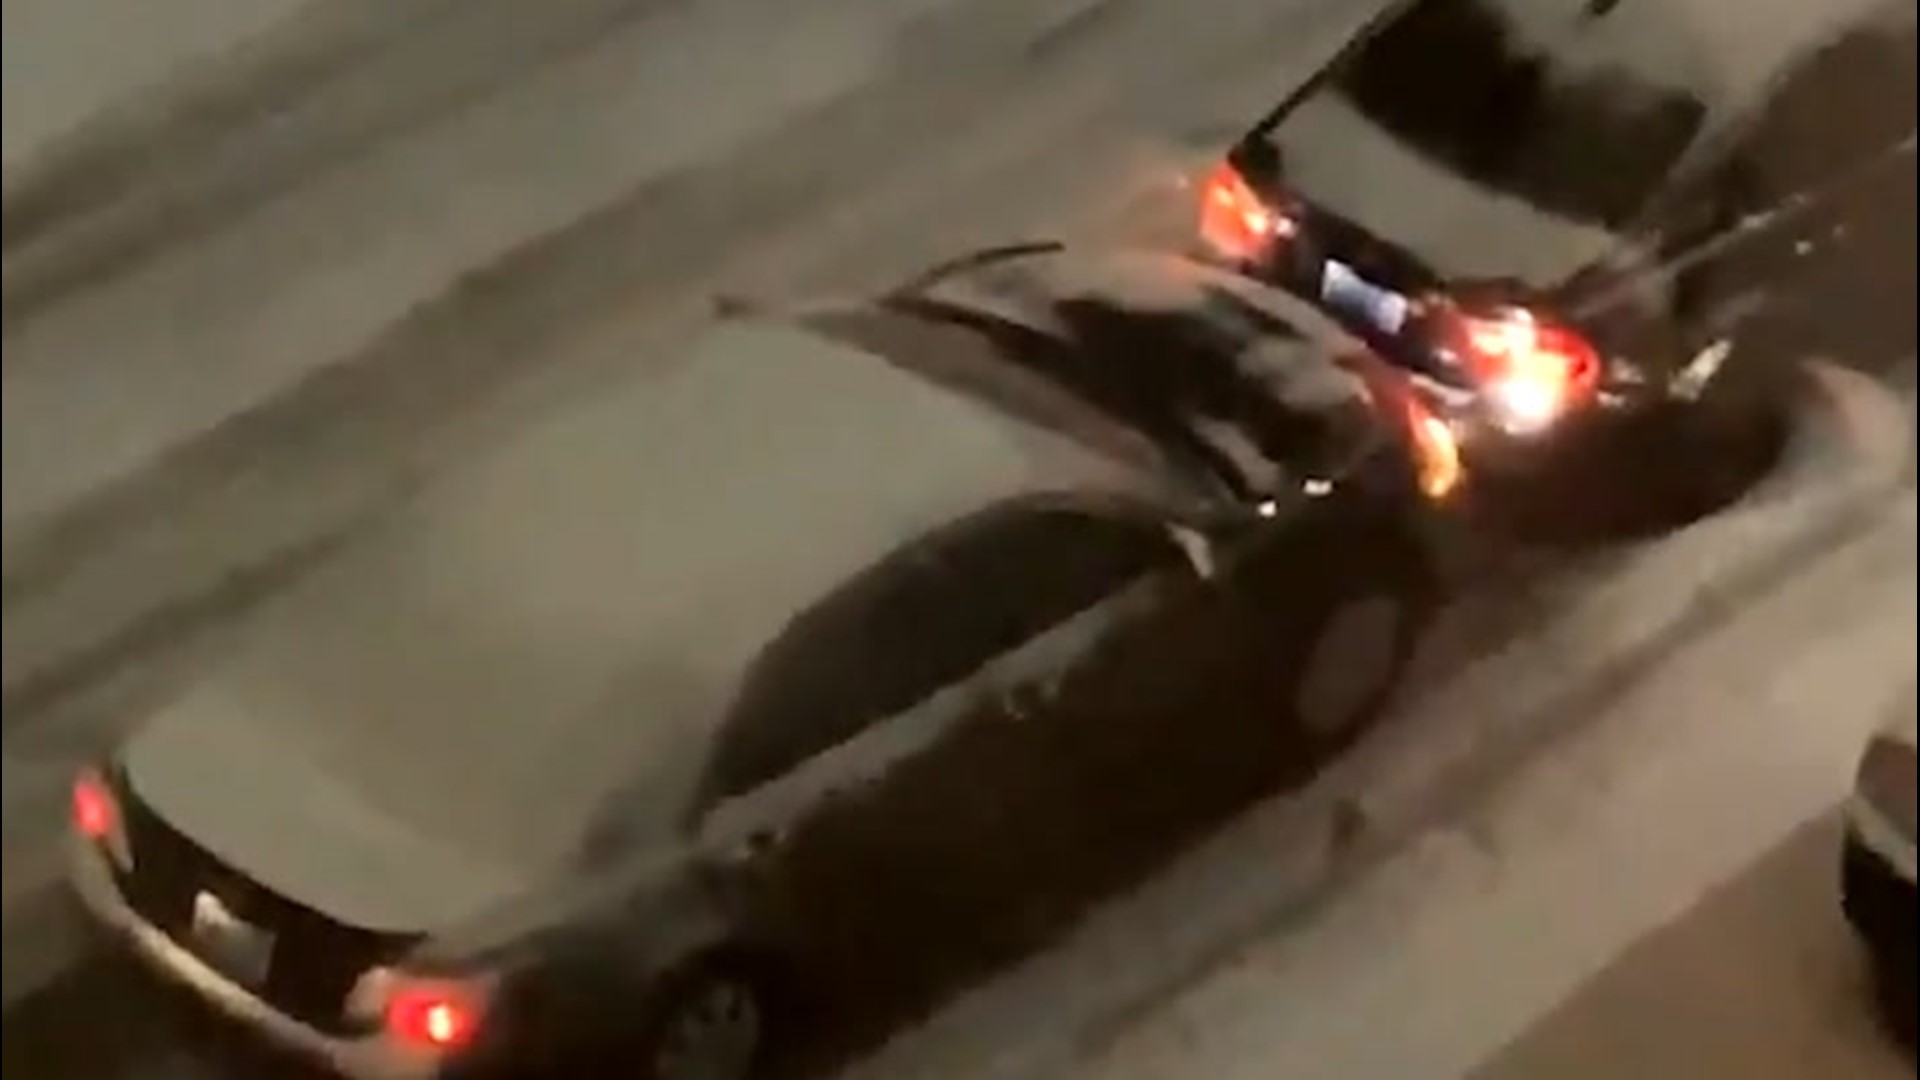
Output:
(174, 345)
(436, 287)
(1759, 979)
(67, 62)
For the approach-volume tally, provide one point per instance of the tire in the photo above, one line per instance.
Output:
(1337, 679)
(710, 1021)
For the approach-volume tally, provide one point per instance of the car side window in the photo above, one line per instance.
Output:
(925, 620)
(1026, 571)
(857, 656)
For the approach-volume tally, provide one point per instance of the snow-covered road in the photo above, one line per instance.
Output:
(1759, 979)
(436, 289)
(66, 63)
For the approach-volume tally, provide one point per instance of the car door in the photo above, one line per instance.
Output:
(1047, 775)
(810, 818)
(1116, 729)
(1150, 716)
(934, 842)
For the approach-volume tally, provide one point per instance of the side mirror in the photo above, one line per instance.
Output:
(1197, 549)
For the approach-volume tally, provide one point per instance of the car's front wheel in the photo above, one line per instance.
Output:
(709, 1022)
(1352, 665)
(1352, 643)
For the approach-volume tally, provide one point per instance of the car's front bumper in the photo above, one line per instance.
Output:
(371, 1057)
(1877, 888)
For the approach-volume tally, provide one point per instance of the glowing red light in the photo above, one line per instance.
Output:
(1533, 367)
(1523, 347)
(1436, 452)
(1234, 220)
(95, 813)
(431, 1017)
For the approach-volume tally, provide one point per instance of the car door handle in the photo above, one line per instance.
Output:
(1027, 700)
(759, 844)
(767, 839)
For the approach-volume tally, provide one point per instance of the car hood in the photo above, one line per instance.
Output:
(267, 807)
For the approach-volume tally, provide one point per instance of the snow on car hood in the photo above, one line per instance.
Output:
(266, 806)
(549, 640)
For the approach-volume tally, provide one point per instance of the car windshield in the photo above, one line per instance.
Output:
(1233, 386)
(984, 358)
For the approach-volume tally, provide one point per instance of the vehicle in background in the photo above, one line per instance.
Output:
(1878, 866)
(849, 647)
(1565, 221)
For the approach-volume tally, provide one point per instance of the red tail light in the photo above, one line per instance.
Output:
(1436, 451)
(1234, 221)
(432, 1016)
(1532, 370)
(96, 814)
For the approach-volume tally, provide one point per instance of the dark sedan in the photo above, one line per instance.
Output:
(835, 642)
(1560, 218)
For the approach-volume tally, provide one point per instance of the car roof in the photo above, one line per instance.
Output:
(592, 592)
